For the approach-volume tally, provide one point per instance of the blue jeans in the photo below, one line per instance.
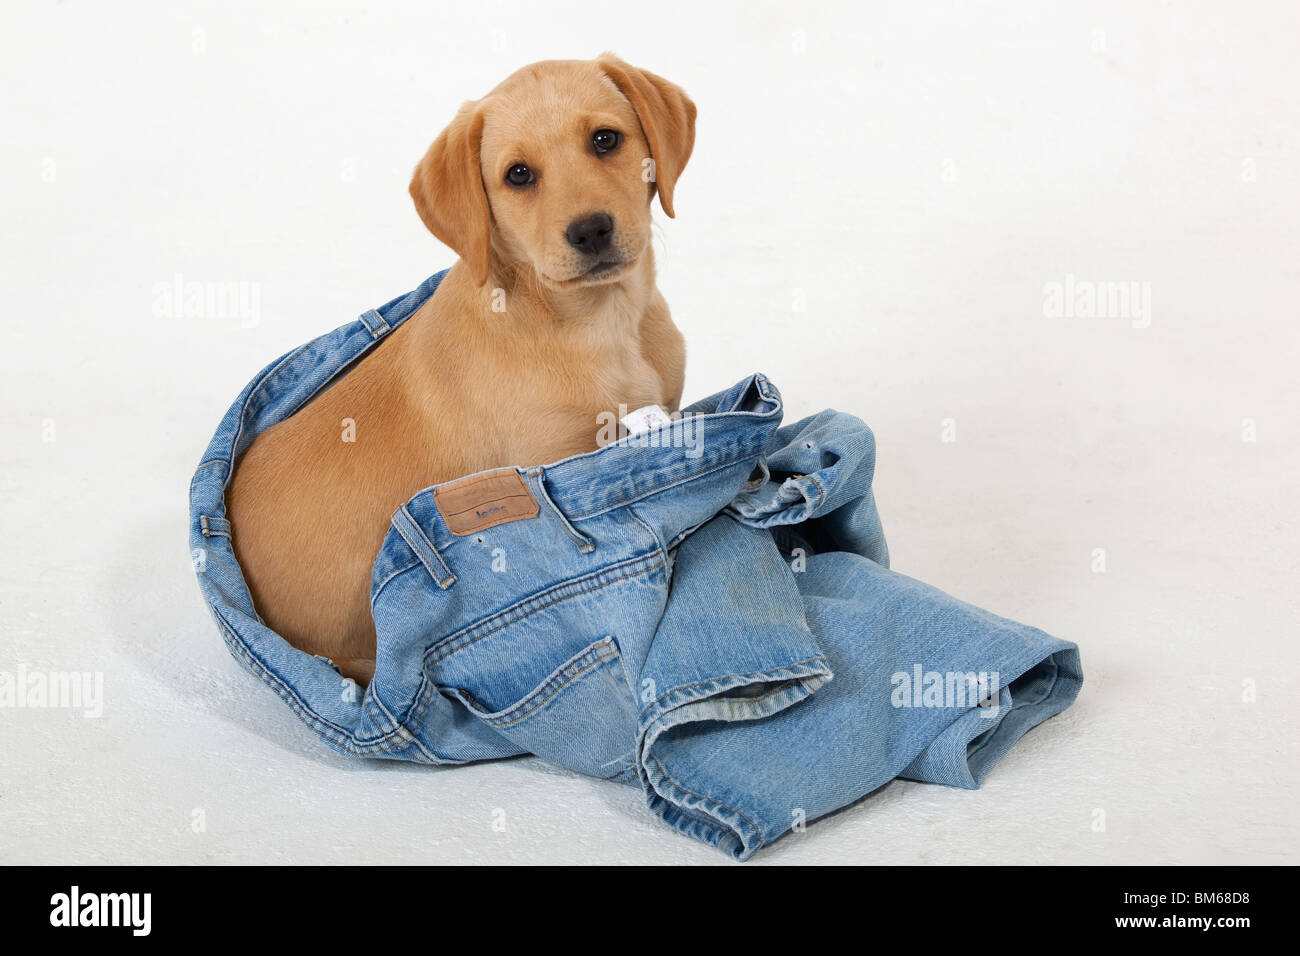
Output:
(704, 611)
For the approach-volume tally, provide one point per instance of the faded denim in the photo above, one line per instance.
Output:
(704, 611)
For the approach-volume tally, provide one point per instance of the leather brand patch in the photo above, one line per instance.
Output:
(481, 501)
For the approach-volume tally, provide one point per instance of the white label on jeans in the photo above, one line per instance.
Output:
(644, 419)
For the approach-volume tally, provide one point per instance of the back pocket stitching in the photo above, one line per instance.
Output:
(600, 652)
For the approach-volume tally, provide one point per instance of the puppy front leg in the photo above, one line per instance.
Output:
(664, 347)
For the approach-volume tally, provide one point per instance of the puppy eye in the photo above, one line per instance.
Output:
(519, 175)
(605, 140)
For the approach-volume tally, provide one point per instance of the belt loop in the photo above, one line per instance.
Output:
(536, 478)
(419, 542)
(375, 324)
(212, 527)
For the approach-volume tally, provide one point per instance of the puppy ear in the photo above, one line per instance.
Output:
(667, 118)
(448, 191)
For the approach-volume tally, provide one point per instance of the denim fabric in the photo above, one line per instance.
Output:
(704, 611)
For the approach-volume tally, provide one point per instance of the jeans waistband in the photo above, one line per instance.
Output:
(703, 440)
(698, 442)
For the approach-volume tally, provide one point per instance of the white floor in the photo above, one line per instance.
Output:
(876, 205)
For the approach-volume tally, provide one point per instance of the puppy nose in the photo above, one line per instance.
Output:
(591, 234)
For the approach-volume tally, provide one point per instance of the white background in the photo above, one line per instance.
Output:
(914, 174)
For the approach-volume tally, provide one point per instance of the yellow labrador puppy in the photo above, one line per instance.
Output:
(543, 189)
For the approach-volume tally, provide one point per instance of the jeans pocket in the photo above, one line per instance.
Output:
(581, 716)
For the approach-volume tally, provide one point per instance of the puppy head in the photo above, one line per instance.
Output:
(556, 167)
